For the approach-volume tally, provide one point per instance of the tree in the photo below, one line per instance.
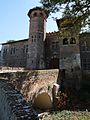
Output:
(9, 41)
(78, 8)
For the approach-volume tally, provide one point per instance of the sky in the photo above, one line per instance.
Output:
(14, 22)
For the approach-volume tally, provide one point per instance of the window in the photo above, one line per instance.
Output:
(25, 49)
(71, 69)
(34, 38)
(39, 35)
(55, 45)
(72, 41)
(5, 51)
(41, 14)
(35, 14)
(12, 50)
(65, 41)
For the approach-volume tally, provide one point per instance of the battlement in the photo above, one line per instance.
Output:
(38, 9)
(53, 34)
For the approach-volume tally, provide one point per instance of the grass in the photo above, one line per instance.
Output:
(68, 115)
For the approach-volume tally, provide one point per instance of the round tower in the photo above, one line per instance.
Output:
(37, 31)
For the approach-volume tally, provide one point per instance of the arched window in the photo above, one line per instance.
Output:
(72, 41)
(41, 14)
(35, 14)
(65, 41)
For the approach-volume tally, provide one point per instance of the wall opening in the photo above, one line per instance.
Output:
(54, 63)
(43, 101)
(72, 41)
(65, 41)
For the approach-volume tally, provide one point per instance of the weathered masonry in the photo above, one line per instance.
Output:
(12, 104)
(61, 49)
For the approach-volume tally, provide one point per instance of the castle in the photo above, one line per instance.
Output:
(65, 49)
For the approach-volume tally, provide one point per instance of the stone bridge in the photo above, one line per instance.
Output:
(21, 87)
(18, 88)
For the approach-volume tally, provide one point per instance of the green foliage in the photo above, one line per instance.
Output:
(68, 115)
(76, 8)
(10, 41)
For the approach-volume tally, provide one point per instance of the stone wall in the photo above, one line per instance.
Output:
(85, 51)
(12, 104)
(52, 49)
(14, 54)
(30, 83)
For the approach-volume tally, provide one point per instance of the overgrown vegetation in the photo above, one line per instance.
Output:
(68, 8)
(68, 115)
(71, 105)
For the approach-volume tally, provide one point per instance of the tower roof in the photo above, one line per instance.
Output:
(37, 8)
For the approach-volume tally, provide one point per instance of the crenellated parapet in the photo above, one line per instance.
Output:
(52, 34)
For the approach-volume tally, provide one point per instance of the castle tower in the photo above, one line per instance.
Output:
(69, 61)
(35, 57)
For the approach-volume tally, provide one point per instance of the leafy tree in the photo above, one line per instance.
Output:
(78, 8)
(9, 41)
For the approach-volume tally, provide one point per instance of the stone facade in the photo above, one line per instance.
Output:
(14, 54)
(85, 51)
(45, 50)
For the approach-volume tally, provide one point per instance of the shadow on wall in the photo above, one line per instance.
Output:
(78, 97)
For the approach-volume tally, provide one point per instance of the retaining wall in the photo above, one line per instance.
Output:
(12, 104)
(32, 82)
